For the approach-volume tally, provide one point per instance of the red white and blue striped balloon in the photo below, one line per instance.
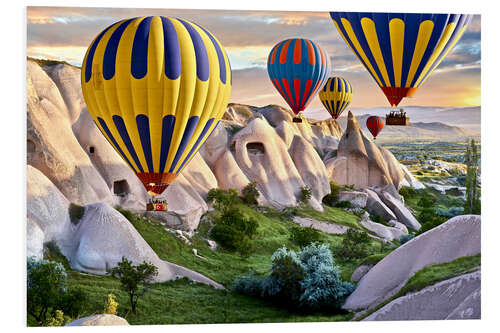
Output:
(298, 68)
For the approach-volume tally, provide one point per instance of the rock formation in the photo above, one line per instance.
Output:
(456, 298)
(458, 237)
(100, 320)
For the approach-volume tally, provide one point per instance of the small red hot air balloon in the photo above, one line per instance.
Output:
(374, 125)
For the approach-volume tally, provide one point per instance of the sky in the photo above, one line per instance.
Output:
(64, 33)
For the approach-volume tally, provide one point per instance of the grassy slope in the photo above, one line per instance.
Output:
(433, 274)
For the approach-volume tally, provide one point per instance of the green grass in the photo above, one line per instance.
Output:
(374, 258)
(332, 215)
(433, 274)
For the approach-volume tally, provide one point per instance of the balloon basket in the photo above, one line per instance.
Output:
(156, 206)
(297, 120)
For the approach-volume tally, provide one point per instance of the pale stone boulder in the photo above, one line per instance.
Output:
(402, 213)
(375, 206)
(359, 272)
(103, 236)
(455, 298)
(57, 153)
(398, 225)
(263, 157)
(104, 319)
(458, 237)
(356, 198)
(331, 228)
(34, 240)
(310, 167)
(388, 234)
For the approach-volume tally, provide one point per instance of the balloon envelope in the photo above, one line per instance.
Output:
(156, 87)
(400, 50)
(297, 68)
(336, 95)
(374, 125)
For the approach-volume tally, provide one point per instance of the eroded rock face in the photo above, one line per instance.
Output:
(375, 206)
(47, 212)
(386, 233)
(360, 272)
(402, 213)
(99, 320)
(456, 298)
(360, 162)
(357, 199)
(57, 153)
(458, 237)
(228, 173)
(263, 157)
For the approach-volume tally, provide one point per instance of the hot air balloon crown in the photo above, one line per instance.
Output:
(298, 68)
(156, 87)
(400, 50)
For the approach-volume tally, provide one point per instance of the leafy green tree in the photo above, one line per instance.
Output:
(134, 279)
(355, 244)
(305, 194)
(332, 198)
(250, 194)
(222, 199)
(472, 193)
(46, 282)
(304, 236)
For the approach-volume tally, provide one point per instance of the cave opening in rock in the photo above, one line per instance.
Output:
(91, 150)
(121, 188)
(30, 146)
(256, 148)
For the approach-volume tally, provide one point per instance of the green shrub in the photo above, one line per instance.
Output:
(332, 198)
(75, 213)
(250, 194)
(405, 238)
(233, 231)
(379, 219)
(304, 236)
(454, 192)
(344, 204)
(355, 244)
(408, 192)
(450, 212)
(426, 201)
(128, 214)
(308, 280)
(222, 199)
(305, 194)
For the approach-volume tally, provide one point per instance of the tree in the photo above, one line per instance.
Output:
(472, 193)
(135, 280)
(46, 282)
(222, 199)
(250, 194)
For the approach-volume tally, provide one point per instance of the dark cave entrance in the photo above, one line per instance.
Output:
(121, 188)
(256, 148)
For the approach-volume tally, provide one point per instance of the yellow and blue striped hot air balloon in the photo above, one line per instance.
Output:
(336, 95)
(156, 87)
(400, 50)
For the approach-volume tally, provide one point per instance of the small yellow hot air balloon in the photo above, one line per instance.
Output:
(156, 87)
(336, 95)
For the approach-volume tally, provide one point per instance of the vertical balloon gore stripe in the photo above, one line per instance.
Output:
(297, 52)
(197, 143)
(172, 49)
(122, 129)
(139, 63)
(284, 51)
(109, 60)
(143, 129)
(167, 129)
(188, 132)
(310, 51)
(289, 95)
(113, 141)
(90, 55)
(296, 87)
(202, 64)
(273, 55)
(220, 55)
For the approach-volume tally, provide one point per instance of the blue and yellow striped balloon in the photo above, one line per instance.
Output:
(400, 50)
(156, 87)
(336, 95)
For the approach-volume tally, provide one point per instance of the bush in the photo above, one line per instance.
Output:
(408, 192)
(405, 238)
(250, 194)
(454, 191)
(46, 284)
(304, 236)
(75, 213)
(73, 302)
(134, 279)
(332, 198)
(355, 244)
(111, 305)
(233, 231)
(305, 194)
(59, 319)
(344, 204)
(450, 212)
(378, 219)
(128, 214)
(308, 280)
(222, 199)
(426, 201)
